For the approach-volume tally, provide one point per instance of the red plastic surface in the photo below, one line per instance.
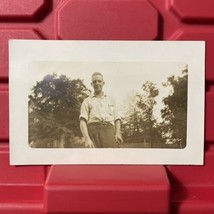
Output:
(112, 189)
(20, 9)
(107, 22)
(21, 188)
(209, 116)
(193, 187)
(33, 189)
(203, 11)
(4, 113)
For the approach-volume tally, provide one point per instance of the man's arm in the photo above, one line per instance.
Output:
(84, 130)
(118, 135)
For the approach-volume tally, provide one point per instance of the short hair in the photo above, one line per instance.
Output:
(97, 73)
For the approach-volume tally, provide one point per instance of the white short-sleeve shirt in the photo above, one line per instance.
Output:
(99, 109)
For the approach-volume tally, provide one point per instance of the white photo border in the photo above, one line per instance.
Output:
(24, 52)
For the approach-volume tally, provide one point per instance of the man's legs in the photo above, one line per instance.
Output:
(102, 135)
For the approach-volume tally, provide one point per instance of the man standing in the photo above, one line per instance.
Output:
(99, 121)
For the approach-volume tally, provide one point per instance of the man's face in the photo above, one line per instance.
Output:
(97, 83)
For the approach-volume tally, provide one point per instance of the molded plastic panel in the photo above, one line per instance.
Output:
(142, 189)
(107, 189)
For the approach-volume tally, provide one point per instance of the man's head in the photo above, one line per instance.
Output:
(97, 82)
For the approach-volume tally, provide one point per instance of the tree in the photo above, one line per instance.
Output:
(174, 113)
(54, 108)
(139, 123)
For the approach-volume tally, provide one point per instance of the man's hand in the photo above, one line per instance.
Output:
(84, 130)
(118, 138)
(89, 143)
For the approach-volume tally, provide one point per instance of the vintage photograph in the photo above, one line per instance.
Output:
(108, 105)
(106, 102)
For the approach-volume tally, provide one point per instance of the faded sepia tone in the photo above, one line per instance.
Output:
(153, 110)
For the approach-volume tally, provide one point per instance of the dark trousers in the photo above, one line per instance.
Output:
(102, 135)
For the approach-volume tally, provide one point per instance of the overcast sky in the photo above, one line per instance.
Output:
(121, 78)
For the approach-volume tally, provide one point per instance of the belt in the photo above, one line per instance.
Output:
(100, 124)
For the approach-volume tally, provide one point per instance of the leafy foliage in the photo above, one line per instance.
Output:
(54, 108)
(175, 111)
(141, 127)
(139, 123)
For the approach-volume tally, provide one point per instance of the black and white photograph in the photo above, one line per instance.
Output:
(106, 102)
(108, 105)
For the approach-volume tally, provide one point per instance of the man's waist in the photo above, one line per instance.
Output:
(101, 123)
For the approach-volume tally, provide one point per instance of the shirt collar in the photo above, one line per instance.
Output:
(93, 95)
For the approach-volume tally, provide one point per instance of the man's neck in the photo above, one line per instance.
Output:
(99, 94)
